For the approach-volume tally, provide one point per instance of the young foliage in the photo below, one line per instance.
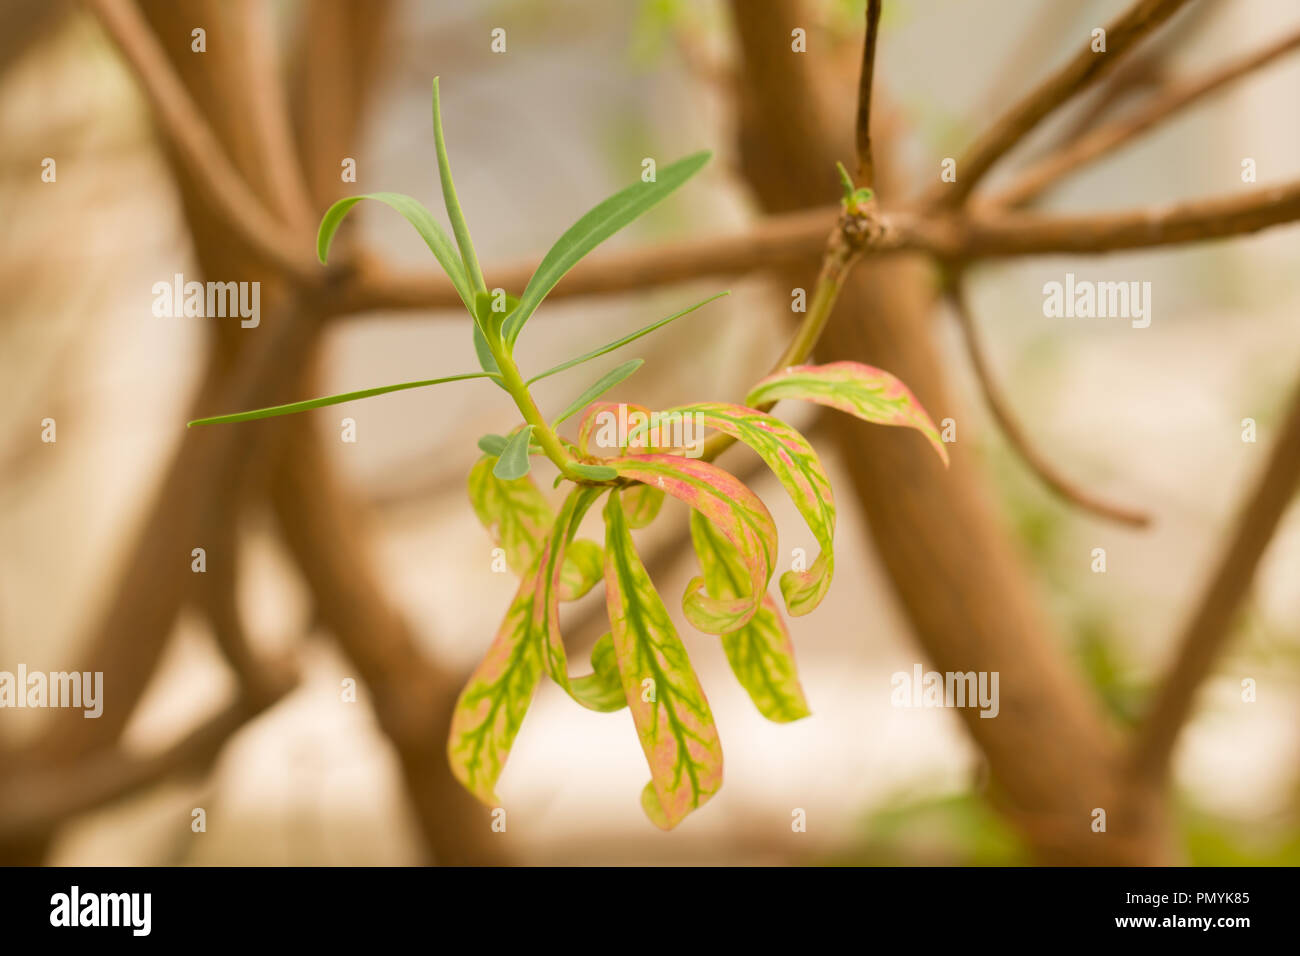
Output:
(641, 663)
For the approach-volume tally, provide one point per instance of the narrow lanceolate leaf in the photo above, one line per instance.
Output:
(595, 691)
(599, 388)
(625, 340)
(513, 462)
(760, 653)
(458, 225)
(800, 472)
(865, 392)
(294, 407)
(492, 705)
(598, 224)
(736, 512)
(671, 713)
(515, 512)
(419, 217)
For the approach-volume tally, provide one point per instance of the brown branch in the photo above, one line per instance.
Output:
(1210, 625)
(862, 130)
(1015, 435)
(1075, 76)
(38, 799)
(1048, 172)
(199, 149)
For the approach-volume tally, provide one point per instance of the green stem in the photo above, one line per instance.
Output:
(513, 383)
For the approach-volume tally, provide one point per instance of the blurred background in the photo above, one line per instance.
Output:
(537, 135)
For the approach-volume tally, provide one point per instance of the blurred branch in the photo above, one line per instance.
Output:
(1105, 139)
(1015, 435)
(1210, 625)
(862, 130)
(198, 147)
(1075, 76)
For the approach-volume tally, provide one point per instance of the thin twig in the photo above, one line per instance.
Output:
(198, 147)
(1068, 81)
(866, 168)
(1105, 139)
(1015, 435)
(1210, 624)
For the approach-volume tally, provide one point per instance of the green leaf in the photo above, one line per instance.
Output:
(458, 225)
(598, 224)
(795, 464)
(641, 504)
(595, 691)
(737, 513)
(514, 512)
(862, 391)
(760, 653)
(619, 343)
(601, 689)
(294, 407)
(595, 472)
(492, 705)
(492, 445)
(598, 388)
(514, 462)
(671, 713)
(584, 565)
(419, 217)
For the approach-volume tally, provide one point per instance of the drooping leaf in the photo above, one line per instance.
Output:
(760, 653)
(625, 340)
(419, 217)
(598, 388)
(593, 691)
(796, 465)
(598, 224)
(492, 445)
(737, 513)
(601, 690)
(459, 228)
(514, 512)
(671, 713)
(584, 564)
(514, 462)
(492, 705)
(641, 504)
(862, 391)
(294, 407)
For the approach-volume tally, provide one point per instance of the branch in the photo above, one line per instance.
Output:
(1045, 174)
(1074, 77)
(791, 239)
(866, 168)
(1211, 623)
(1015, 435)
(198, 147)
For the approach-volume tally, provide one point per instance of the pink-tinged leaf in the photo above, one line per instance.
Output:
(599, 690)
(641, 504)
(760, 653)
(737, 513)
(492, 705)
(608, 425)
(515, 512)
(671, 713)
(865, 392)
(795, 464)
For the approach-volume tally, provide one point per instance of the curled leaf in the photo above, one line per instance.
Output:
(796, 465)
(737, 513)
(760, 653)
(671, 713)
(862, 391)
